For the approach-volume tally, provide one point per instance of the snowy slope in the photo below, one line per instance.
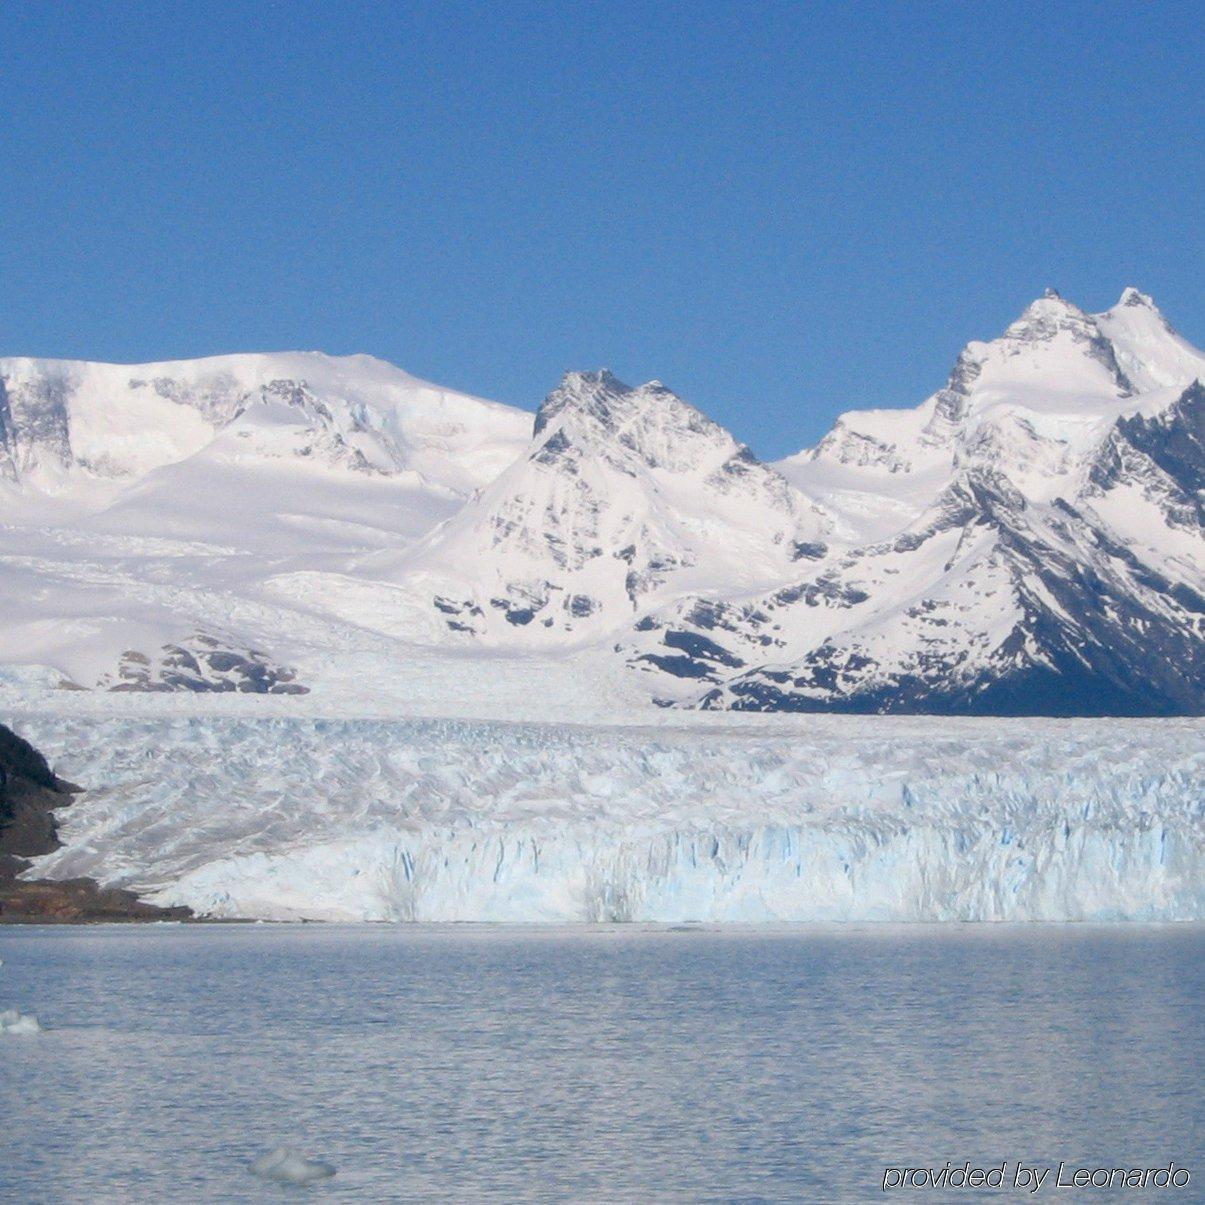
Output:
(1148, 349)
(61, 419)
(281, 613)
(1033, 404)
(146, 504)
(296, 450)
(842, 819)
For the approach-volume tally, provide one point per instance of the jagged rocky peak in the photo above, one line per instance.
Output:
(1053, 358)
(1135, 299)
(1046, 315)
(589, 394)
(1131, 296)
(1029, 541)
(1050, 317)
(1053, 319)
(649, 421)
(1053, 347)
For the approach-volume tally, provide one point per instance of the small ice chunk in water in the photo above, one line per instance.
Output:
(12, 1021)
(288, 1166)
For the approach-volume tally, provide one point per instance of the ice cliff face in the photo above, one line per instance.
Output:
(851, 819)
(1026, 541)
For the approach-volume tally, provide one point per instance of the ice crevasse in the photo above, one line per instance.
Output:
(816, 819)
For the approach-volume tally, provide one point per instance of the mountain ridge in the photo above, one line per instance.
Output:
(1031, 531)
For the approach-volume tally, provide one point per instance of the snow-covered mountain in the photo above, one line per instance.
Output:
(63, 419)
(144, 504)
(1031, 404)
(1028, 540)
(624, 498)
(987, 605)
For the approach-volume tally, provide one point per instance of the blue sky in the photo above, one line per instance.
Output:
(783, 211)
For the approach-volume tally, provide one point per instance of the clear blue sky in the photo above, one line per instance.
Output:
(783, 211)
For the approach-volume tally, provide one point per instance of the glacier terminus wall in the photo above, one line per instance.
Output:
(769, 820)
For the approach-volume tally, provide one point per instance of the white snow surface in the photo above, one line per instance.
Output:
(1149, 351)
(747, 819)
(143, 504)
(78, 419)
(627, 497)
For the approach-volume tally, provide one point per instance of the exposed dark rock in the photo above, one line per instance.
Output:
(1097, 629)
(696, 645)
(1165, 453)
(581, 605)
(680, 667)
(1100, 634)
(30, 795)
(204, 665)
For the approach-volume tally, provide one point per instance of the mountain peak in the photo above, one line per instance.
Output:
(1048, 317)
(1149, 349)
(1132, 297)
(1051, 304)
(603, 400)
(1027, 538)
(603, 378)
(584, 392)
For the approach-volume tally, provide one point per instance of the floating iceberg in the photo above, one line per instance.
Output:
(14, 1022)
(287, 1166)
(755, 819)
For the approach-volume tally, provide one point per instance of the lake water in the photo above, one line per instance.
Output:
(610, 1064)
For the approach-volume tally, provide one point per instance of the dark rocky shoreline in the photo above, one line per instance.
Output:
(30, 795)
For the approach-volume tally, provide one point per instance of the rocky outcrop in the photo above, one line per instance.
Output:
(30, 794)
(203, 664)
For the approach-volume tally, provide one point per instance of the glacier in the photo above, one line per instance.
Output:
(732, 819)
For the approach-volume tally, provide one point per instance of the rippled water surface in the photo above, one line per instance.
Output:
(609, 1064)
